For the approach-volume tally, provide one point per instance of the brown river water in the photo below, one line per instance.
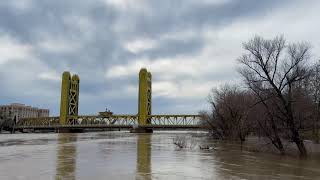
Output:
(122, 155)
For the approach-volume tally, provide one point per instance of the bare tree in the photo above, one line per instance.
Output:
(312, 86)
(230, 112)
(208, 119)
(271, 69)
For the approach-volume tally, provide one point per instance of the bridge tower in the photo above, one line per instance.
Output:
(69, 99)
(145, 91)
(145, 100)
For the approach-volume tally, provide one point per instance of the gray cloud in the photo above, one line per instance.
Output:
(190, 46)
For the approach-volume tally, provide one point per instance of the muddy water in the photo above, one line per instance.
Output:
(121, 155)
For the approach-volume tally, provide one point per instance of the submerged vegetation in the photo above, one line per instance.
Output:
(277, 100)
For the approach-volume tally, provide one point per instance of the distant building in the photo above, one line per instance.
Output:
(18, 111)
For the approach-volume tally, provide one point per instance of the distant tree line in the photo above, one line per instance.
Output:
(280, 99)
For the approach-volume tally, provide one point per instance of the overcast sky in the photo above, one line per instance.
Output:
(190, 46)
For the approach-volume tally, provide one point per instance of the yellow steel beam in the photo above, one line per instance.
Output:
(145, 90)
(64, 104)
(175, 115)
(116, 119)
(74, 99)
(69, 98)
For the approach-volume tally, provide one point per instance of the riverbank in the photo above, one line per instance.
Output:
(261, 144)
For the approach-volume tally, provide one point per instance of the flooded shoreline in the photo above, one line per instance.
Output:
(122, 155)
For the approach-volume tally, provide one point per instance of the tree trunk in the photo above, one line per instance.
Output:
(302, 148)
(277, 139)
(299, 142)
(317, 129)
(279, 145)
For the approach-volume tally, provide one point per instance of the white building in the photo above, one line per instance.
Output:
(18, 111)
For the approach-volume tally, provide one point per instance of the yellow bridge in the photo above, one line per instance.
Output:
(144, 121)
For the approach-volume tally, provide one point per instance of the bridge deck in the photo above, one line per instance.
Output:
(114, 122)
(100, 126)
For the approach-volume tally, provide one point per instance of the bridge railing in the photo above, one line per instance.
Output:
(108, 120)
(43, 121)
(186, 120)
(120, 120)
(81, 120)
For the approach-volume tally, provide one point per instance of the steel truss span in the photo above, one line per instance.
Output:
(157, 121)
(141, 122)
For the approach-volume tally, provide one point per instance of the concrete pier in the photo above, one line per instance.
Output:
(141, 130)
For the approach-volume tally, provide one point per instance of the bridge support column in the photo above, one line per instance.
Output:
(69, 99)
(145, 101)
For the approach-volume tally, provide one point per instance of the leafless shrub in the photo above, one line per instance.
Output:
(230, 116)
(182, 143)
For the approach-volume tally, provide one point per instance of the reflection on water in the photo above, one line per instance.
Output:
(143, 157)
(66, 156)
(231, 162)
(121, 155)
